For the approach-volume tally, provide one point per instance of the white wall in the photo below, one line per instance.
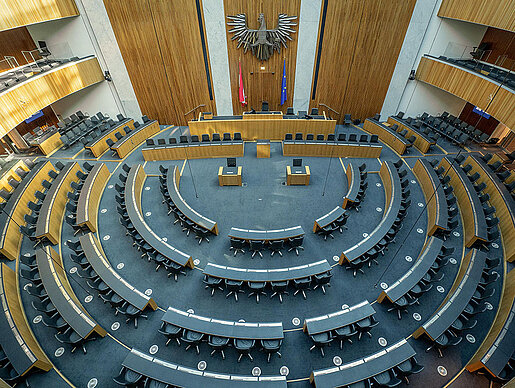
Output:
(414, 97)
(66, 38)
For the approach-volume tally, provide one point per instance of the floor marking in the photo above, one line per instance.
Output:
(290, 330)
(341, 162)
(296, 380)
(439, 146)
(117, 340)
(78, 153)
(103, 153)
(183, 165)
(54, 151)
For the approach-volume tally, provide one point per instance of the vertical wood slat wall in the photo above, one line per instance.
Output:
(16, 13)
(494, 13)
(362, 41)
(12, 43)
(161, 46)
(262, 84)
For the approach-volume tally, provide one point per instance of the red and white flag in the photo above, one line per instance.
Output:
(241, 91)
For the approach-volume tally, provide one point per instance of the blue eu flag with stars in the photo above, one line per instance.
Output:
(284, 97)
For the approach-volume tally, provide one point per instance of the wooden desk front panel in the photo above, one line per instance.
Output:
(13, 237)
(337, 150)
(101, 146)
(252, 129)
(229, 180)
(42, 90)
(54, 222)
(421, 143)
(51, 144)
(297, 179)
(384, 173)
(93, 199)
(195, 152)
(502, 211)
(263, 150)
(12, 295)
(464, 203)
(137, 137)
(428, 189)
(385, 136)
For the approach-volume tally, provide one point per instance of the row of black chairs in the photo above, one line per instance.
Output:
(363, 185)
(502, 173)
(353, 137)
(73, 199)
(218, 344)
(445, 130)
(475, 134)
(205, 138)
(138, 241)
(372, 255)
(6, 195)
(84, 127)
(278, 288)
(186, 224)
(105, 293)
(257, 246)
(344, 334)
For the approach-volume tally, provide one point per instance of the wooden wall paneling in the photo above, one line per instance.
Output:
(340, 33)
(12, 43)
(502, 43)
(48, 119)
(179, 39)
(495, 13)
(134, 30)
(383, 27)
(472, 118)
(262, 84)
(16, 13)
(469, 87)
(22, 101)
(362, 41)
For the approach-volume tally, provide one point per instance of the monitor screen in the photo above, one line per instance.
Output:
(297, 162)
(231, 162)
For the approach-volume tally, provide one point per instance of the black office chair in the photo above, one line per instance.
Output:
(216, 137)
(302, 285)
(271, 346)
(171, 332)
(213, 283)
(321, 340)
(386, 379)
(218, 344)
(275, 246)
(298, 136)
(296, 243)
(341, 137)
(172, 140)
(310, 136)
(128, 378)
(257, 288)
(237, 136)
(353, 138)
(322, 280)
(444, 341)
(226, 136)
(244, 346)
(234, 287)
(237, 245)
(365, 325)
(288, 137)
(256, 246)
(183, 139)
(279, 288)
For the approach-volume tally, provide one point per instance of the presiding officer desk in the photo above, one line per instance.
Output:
(437, 210)
(60, 293)
(17, 206)
(501, 198)
(225, 329)
(110, 277)
(16, 339)
(265, 125)
(133, 187)
(90, 195)
(267, 275)
(52, 210)
(363, 368)
(194, 150)
(181, 376)
(471, 209)
(173, 179)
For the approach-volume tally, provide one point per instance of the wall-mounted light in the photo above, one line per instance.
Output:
(107, 76)
(411, 75)
(262, 67)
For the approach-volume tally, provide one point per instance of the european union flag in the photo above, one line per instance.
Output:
(284, 97)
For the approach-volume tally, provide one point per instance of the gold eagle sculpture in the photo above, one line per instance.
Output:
(262, 42)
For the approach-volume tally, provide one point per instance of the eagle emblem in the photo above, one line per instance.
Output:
(262, 42)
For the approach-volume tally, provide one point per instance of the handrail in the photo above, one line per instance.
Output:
(328, 107)
(194, 109)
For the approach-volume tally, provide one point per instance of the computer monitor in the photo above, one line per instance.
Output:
(297, 162)
(231, 162)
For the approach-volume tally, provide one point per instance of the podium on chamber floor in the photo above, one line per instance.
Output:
(229, 176)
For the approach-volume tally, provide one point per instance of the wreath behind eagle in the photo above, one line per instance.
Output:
(262, 42)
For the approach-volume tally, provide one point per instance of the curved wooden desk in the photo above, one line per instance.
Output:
(137, 136)
(133, 188)
(17, 340)
(90, 195)
(422, 141)
(386, 135)
(330, 149)
(474, 221)
(55, 281)
(173, 179)
(437, 210)
(354, 180)
(180, 151)
(99, 146)
(17, 207)
(52, 211)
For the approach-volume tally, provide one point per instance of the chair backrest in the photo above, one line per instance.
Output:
(118, 136)
(297, 162)
(150, 142)
(237, 136)
(227, 136)
(288, 136)
(310, 136)
(161, 141)
(400, 114)
(205, 137)
(120, 117)
(347, 119)
(172, 140)
(183, 139)
(216, 137)
(320, 137)
(110, 143)
(314, 111)
(330, 137)
(231, 162)
(342, 137)
(194, 139)
(298, 136)
(145, 119)
(289, 111)
(264, 106)
(363, 139)
(376, 117)
(394, 127)
(374, 139)
(353, 137)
